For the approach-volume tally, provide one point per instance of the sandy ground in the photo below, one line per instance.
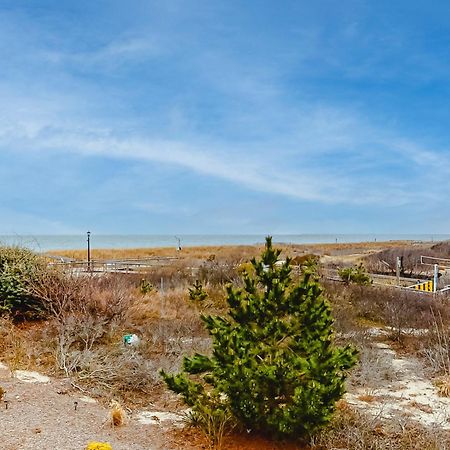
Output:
(39, 413)
(402, 391)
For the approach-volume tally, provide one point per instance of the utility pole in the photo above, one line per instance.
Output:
(89, 251)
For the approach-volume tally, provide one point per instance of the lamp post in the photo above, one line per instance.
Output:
(89, 250)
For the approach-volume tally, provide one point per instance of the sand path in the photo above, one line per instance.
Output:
(405, 393)
(38, 412)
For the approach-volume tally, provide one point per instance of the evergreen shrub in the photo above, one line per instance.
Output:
(357, 275)
(274, 366)
(19, 267)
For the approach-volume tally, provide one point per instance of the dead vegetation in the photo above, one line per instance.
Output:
(81, 336)
(118, 415)
(236, 252)
(385, 261)
(352, 429)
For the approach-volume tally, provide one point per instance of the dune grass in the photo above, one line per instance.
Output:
(227, 251)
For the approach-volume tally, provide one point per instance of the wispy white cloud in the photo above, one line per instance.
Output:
(316, 153)
(273, 169)
(232, 109)
(113, 54)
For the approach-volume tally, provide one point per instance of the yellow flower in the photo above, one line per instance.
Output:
(98, 446)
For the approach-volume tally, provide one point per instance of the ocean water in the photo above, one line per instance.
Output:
(46, 243)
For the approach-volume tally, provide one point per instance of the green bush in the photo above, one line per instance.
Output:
(357, 275)
(213, 417)
(274, 365)
(197, 292)
(145, 287)
(19, 267)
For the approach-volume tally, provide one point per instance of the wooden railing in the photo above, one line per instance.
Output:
(115, 265)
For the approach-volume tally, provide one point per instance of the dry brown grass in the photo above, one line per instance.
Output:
(352, 429)
(368, 398)
(443, 385)
(243, 252)
(117, 413)
(25, 345)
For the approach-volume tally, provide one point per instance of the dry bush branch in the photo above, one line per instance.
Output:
(352, 429)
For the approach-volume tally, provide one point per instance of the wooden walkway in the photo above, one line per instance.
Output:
(137, 265)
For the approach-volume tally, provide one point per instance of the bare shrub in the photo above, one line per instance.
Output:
(434, 345)
(386, 260)
(406, 311)
(398, 309)
(63, 294)
(102, 363)
(119, 371)
(90, 314)
(352, 429)
(218, 272)
(85, 309)
(76, 338)
(417, 322)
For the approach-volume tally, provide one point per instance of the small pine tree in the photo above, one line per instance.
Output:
(145, 287)
(357, 275)
(273, 365)
(196, 292)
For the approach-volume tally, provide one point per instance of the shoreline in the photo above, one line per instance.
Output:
(48, 243)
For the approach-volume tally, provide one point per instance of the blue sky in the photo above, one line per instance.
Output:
(224, 117)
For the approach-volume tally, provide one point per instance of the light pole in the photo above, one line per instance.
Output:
(89, 250)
